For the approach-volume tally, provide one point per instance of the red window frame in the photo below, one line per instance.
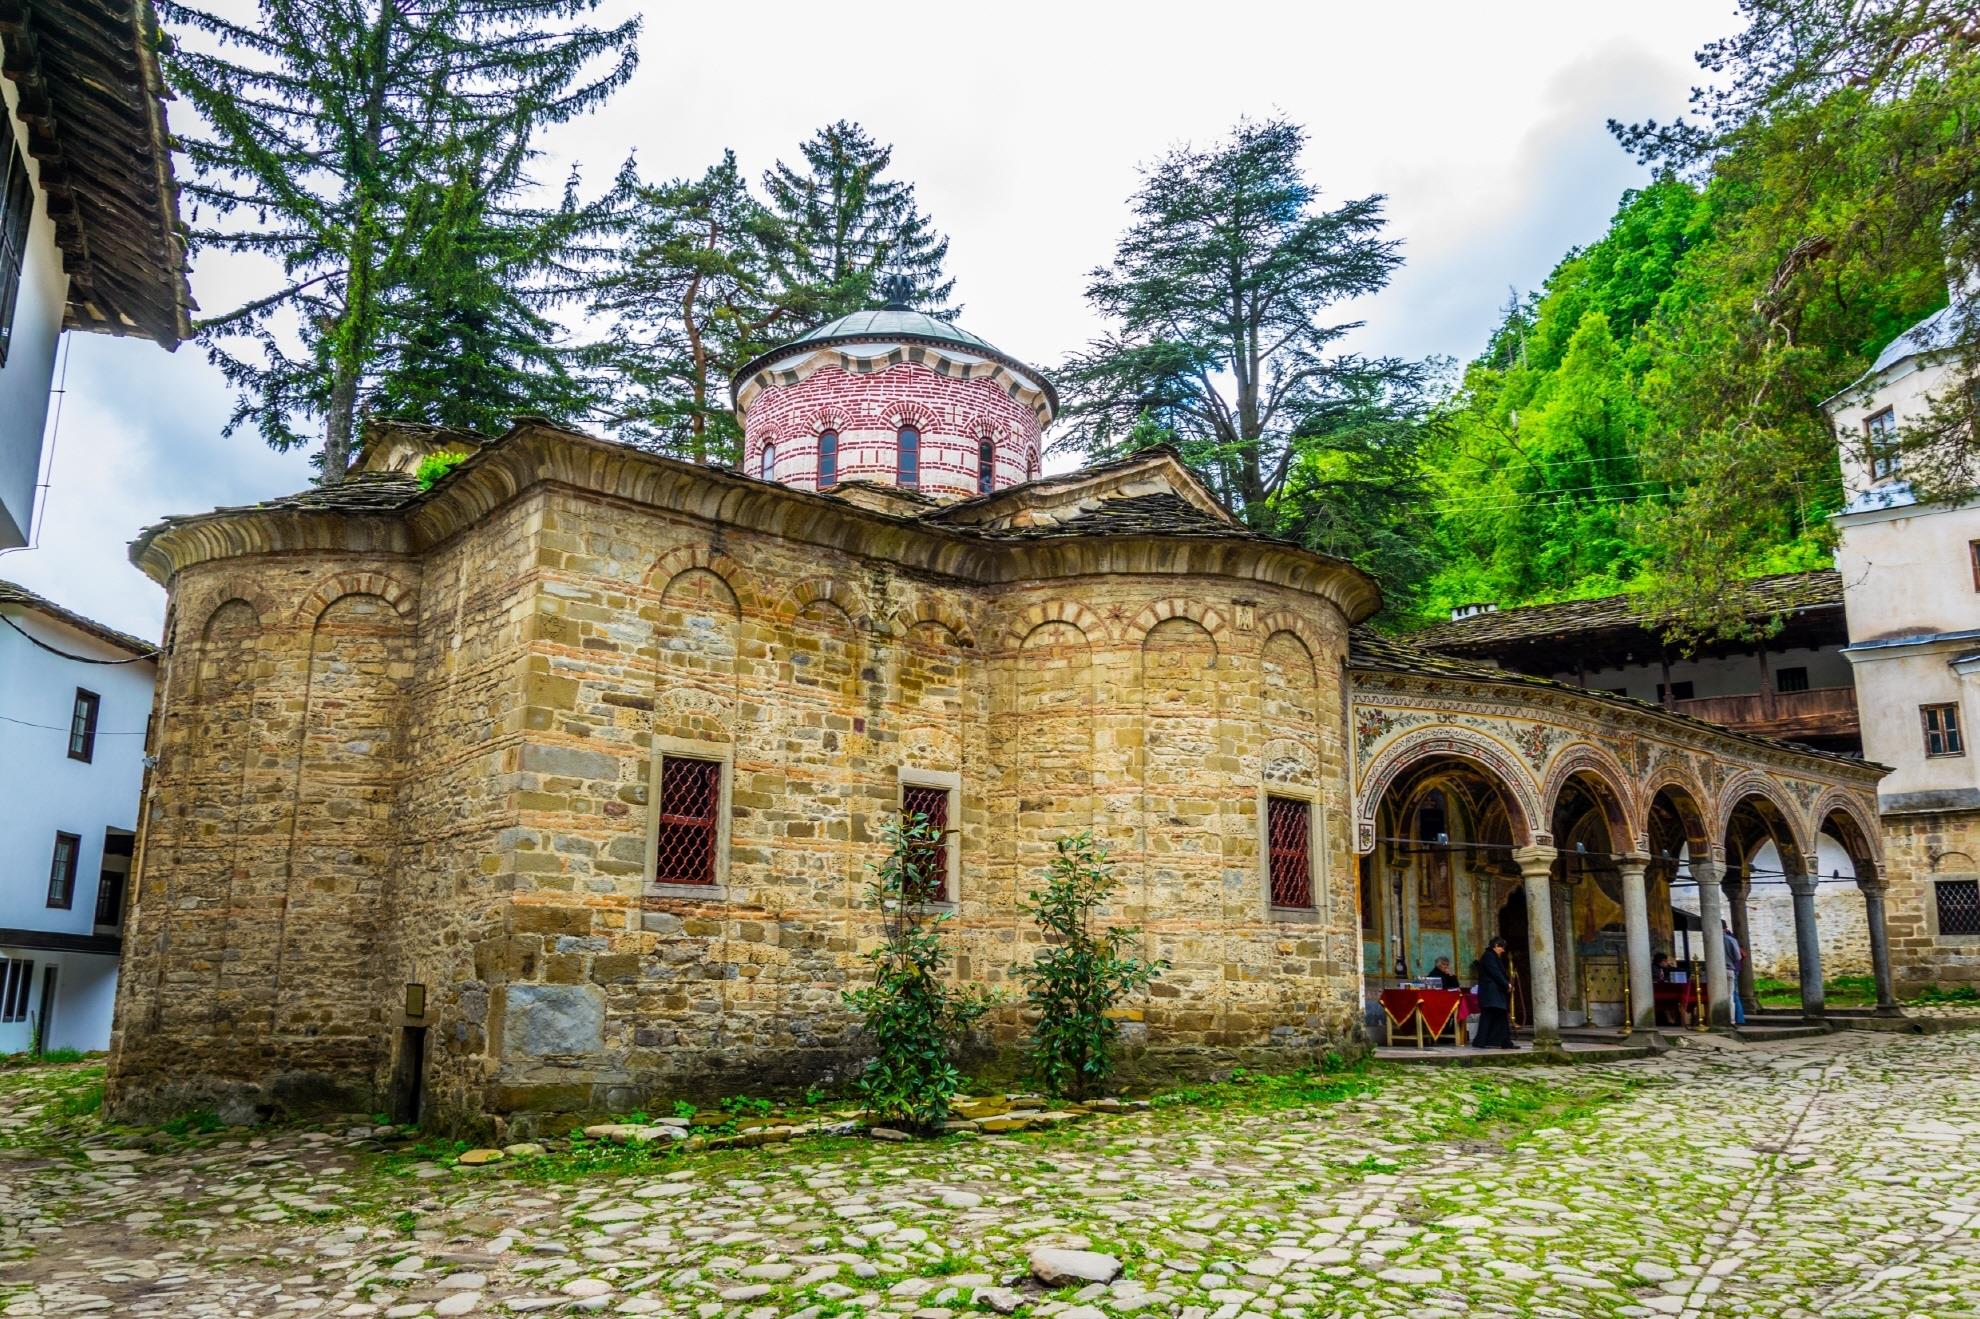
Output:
(986, 466)
(907, 459)
(690, 803)
(1289, 844)
(932, 802)
(1942, 731)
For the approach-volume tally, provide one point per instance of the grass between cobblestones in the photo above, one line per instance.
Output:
(1775, 1172)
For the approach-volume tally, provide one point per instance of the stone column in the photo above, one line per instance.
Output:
(1711, 903)
(1807, 939)
(1636, 937)
(1536, 871)
(1880, 946)
(1736, 886)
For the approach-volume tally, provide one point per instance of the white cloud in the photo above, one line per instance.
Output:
(1022, 128)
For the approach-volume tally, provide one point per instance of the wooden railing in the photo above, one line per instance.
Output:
(1824, 712)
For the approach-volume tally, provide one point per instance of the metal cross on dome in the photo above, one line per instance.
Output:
(898, 290)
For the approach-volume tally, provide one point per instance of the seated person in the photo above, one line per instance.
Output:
(1441, 976)
(1660, 969)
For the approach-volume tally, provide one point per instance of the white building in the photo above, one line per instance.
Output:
(1911, 590)
(74, 698)
(89, 226)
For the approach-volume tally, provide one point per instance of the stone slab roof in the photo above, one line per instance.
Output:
(14, 594)
(1784, 593)
(92, 99)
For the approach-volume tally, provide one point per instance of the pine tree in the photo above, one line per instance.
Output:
(850, 225)
(377, 153)
(1219, 293)
(693, 297)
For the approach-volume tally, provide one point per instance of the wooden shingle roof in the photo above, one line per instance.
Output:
(92, 99)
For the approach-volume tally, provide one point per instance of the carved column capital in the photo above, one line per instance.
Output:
(1535, 862)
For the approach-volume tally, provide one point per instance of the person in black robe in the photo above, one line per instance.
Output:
(1442, 976)
(1494, 997)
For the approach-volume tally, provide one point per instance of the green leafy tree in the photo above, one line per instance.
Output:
(849, 224)
(1221, 297)
(1081, 974)
(1838, 146)
(915, 1015)
(694, 296)
(375, 153)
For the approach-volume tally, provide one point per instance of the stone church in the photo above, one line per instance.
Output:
(553, 788)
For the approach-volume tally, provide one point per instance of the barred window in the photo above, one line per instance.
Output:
(1289, 834)
(82, 726)
(689, 806)
(1959, 905)
(62, 870)
(1793, 679)
(828, 459)
(931, 865)
(1942, 730)
(907, 463)
(16, 978)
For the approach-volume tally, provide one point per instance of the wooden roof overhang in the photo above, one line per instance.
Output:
(1590, 650)
(92, 99)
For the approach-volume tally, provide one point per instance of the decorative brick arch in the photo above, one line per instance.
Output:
(338, 585)
(1839, 801)
(909, 617)
(739, 580)
(1055, 611)
(228, 590)
(1753, 783)
(905, 412)
(1285, 620)
(813, 589)
(1499, 763)
(828, 417)
(1161, 611)
(1617, 801)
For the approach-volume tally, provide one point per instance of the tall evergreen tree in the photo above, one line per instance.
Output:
(376, 152)
(693, 296)
(850, 225)
(1220, 294)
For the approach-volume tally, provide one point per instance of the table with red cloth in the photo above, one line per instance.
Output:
(1433, 1010)
(1678, 1004)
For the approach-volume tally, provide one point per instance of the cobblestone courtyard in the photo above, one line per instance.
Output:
(1835, 1176)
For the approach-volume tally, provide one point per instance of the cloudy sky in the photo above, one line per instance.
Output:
(1022, 128)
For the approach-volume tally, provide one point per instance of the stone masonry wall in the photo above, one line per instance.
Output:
(1920, 851)
(380, 771)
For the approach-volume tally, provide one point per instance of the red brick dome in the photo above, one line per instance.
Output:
(895, 397)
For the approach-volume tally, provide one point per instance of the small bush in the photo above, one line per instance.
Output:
(1081, 973)
(434, 468)
(916, 1018)
(1947, 994)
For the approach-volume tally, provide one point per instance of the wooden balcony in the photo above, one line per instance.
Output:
(1825, 715)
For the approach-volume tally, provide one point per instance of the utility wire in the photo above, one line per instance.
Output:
(57, 728)
(80, 659)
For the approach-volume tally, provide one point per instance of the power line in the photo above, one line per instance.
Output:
(57, 728)
(80, 659)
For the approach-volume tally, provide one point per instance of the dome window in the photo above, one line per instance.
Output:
(907, 461)
(769, 462)
(986, 467)
(828, 459)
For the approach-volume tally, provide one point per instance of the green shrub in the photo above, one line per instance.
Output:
(1947, 994)
(434, 467)
(1075, 980)
(916, 1018)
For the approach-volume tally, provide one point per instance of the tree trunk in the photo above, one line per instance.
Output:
(337, 431)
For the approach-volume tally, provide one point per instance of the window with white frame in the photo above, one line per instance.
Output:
(935, 797)
(687, 841)
(1882, 434)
